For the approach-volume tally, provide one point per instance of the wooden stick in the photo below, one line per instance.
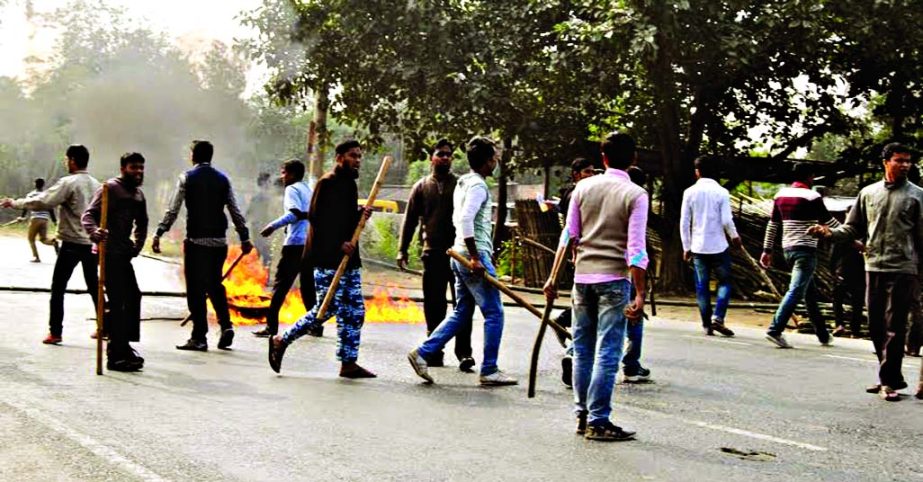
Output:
(546, 316)
(513, 295)
(226, 274)
(101, 281)
(370, 200)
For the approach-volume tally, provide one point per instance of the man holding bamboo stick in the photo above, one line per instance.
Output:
(206, 192)
(471, 218)
(124, 236)
(333, 216)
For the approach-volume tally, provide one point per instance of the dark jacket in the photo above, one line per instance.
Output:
(333, 218)
(206, 194)
(430, 202)
(126, 221)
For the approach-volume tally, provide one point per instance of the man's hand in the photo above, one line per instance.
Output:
(635, 311)
(737, 242)
(819, 231)
(766, 260)
(246, 247)
(476, 267)
(348, 248)
(402, 261)
(267, 231)
(366, 211)
(858, 246)
(6, 203)
(155, 244)
(100, 235)
(551, 291)
(687, 256)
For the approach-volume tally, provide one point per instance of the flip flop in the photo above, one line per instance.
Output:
(888, 394)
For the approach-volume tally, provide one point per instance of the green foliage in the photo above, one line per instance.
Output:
(505, 261)
(380, 240)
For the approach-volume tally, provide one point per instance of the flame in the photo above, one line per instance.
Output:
(247, 292)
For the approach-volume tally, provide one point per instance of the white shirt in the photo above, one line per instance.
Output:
(705, 219)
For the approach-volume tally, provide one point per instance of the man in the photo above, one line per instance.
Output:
(889, 214)
(705, 223)
(606, 220)
(72, 193)
(848, 266)
(38, 223)
(431, 203)
(206, 192)
(124, 236)
(580, 169)
(796, 208)
(292, 263)
(334, 215)
(471, 218)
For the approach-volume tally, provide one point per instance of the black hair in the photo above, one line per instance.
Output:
(914, 174)
(39, 183)
(202, 151)
(619, 149)
(802, 171)
(443, 143)
(894, 148)
(295, 168)
(79, 154)
(637, 175)
(707, 166)
(480, 151)
(580, 164)
(345, 146)
(131, 158)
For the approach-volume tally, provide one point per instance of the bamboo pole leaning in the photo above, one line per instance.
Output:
(101, 281)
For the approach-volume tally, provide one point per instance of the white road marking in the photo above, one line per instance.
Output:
(716, 340)
(99, 449)
(866, 360)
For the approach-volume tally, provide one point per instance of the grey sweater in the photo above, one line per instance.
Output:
(890, 216)
(73, 194)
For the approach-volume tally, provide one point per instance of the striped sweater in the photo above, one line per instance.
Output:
(796, 208)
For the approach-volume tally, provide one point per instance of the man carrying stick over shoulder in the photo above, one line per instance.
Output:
(471, 217)
(333, 217)
(126, 219)
(606, 220)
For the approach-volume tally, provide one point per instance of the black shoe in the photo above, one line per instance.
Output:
(720, 328)
(581, 423)
(708, 330)
(133, 355)
(316, 332)
(567, 372)
(641, 375)
(276, 352)
(436, 360)
(466, 365)
(123, 365)
(607, 432)
(193, 345)
(264, 333)
(877, 387)
(227, 337)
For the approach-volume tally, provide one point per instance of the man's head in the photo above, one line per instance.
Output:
(804, 173)
(349, 156)
(441, 160)
(619, 150)
(581, 168)
(39, 183)
(897, 159)
(132, 168)
(202, 152)
(637, 175)
(77, 157)
(482, 155)
(707, 167)
(292, 172)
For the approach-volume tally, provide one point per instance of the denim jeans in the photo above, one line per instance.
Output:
(705, 265)
(471, 290)
(599, 336)
(803, 262)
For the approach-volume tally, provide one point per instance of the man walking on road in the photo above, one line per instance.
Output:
(206, 192)
(797, 208)
(124, 236)
(38, 223)
(705, 224)
(430, 204)
(293, 262)
(72, 193)
(471, 218)
(889, 213)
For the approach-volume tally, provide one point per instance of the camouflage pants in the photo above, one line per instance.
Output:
(348, 306)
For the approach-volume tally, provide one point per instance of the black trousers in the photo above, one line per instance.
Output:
(291, 265)
(437, 275)
(889, 298)
(123, 323)
(202, 267)
(849, 290)
(69, 256)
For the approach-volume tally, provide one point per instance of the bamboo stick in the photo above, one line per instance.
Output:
(101, 280)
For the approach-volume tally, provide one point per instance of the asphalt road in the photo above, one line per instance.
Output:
(800, 414)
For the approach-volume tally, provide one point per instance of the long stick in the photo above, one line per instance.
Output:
(546, 316)
(513, 295)
(226, 274)
(379, 179)
(101, 282)
(312, 141)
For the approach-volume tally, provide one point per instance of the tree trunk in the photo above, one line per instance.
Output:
(321, 105)
(500, 231)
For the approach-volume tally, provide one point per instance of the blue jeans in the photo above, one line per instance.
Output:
(471, 291)
(705, 265)
(803, 263)
(599, 336)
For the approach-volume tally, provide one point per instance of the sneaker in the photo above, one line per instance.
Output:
(264, 333)
(581, 423)
(720, 328)
(642, 375)
(193, 345)
(466, 365)
(52, 340)
(276, 352)
(607, 432)
(497, 379)
(567, 372)
(123, 365)
(779, 340)
(419, 366)
(227, 337)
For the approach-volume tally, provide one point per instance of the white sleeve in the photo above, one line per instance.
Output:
(476, 198)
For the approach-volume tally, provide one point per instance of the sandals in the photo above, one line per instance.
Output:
(888, 394)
